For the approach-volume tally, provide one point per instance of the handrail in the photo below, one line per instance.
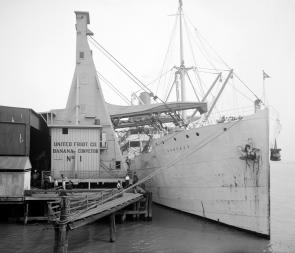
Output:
(76, 205)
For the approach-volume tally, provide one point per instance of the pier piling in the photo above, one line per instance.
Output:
(70, 212)
(150, 201)
(112, 228)
(61, 231)
(26, 212)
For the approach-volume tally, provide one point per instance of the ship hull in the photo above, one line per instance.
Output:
(204, 171)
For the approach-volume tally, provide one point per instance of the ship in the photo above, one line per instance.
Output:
(214, 166)
(217, 169)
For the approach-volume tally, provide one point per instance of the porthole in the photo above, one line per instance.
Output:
(197, 134)
(224, 129)
(174, 138)
(163, 142)
(187, 136)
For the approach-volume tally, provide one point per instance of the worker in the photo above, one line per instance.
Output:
(135, 178)
(50, 179)
(127, 178)
(55, 183)
(70, 185)
(35, 177)
(119, 185)
(128, 162)
(48, 182)
(63, 181)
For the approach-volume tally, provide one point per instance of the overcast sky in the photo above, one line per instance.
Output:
(37, 46)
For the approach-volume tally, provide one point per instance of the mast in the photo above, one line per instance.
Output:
(182, 68)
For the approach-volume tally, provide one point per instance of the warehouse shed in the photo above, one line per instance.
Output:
(24, 149)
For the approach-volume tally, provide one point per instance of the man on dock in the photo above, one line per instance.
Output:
(63, 181)
(127, 179)
(135, 178)
(119, 185)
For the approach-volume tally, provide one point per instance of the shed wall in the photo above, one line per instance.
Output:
(75, 152)
(13, 138)
(13, 184)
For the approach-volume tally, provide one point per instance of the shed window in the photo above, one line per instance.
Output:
(118, 165)
(65, 131)
(81, 55)
(134, 144)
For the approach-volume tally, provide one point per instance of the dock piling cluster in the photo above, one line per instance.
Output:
(70, 213)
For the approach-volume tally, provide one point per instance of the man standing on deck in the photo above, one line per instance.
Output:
(127, 178)
(135, 178)
(119, 186)
(63, 181)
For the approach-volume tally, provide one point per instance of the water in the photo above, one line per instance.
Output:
(171, 231)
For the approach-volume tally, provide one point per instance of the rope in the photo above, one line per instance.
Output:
(193, 86)
(132, 76)
(120, 94)
(205, 53)
(153, 81)
(197, 76)
(222, 60)
(168, 49)
(181, 157)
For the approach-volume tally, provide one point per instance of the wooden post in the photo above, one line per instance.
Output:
(26, 212)
(61, 231)
(146, 206)
(123, 217)
(112, 228)
(42, 179)
(150, 201)
(137, 210)
(134, 209)
(61, 239)
(56, 239)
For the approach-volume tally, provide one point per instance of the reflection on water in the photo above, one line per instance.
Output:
(171, 231)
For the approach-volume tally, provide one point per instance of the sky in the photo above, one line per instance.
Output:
(37, 47)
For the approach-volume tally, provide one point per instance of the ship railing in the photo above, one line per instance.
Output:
(224, 116)
(228, 113)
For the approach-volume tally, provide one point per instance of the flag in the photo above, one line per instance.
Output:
(265, 75)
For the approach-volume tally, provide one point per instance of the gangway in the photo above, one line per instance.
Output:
(71, 212)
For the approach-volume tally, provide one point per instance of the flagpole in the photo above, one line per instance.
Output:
(263, 87)
(264, 76)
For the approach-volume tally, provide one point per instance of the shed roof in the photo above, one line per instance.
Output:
(15, 163)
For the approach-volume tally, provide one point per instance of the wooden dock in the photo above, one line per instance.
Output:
(43, 197)
(71, 212)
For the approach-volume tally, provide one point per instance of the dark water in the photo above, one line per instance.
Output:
(171, 231)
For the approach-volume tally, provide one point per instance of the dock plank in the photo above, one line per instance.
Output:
(104, 210)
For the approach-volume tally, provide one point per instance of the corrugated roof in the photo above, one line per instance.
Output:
(20, 163)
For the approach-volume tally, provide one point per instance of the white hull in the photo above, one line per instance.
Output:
(204, 174)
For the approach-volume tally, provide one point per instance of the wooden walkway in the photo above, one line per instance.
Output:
(105, 209)
(71, 212)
